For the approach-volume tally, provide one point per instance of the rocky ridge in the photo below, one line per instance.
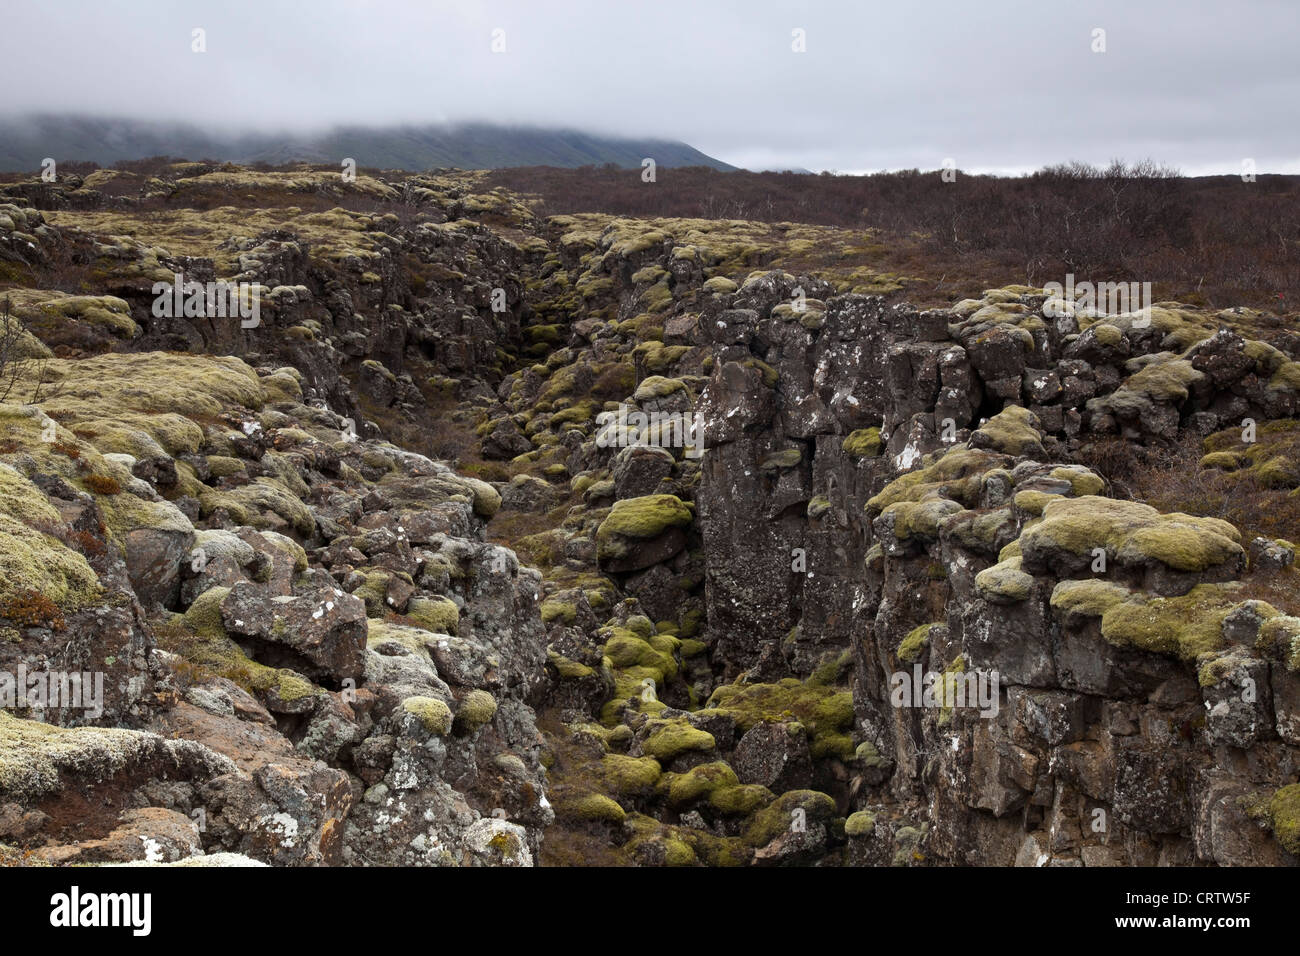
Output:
(318, 650)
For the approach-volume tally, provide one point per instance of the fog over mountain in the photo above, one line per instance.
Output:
(26, 140)
(1006, 87)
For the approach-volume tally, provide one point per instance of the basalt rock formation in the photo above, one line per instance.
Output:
(373, 581)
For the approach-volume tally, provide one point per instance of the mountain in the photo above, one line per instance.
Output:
(25, 141)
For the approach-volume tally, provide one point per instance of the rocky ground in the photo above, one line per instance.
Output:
(366, 586)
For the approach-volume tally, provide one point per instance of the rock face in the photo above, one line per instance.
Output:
(582, 541)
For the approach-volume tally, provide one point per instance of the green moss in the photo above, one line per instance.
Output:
(432, 713)
(826, 712)
(1013, 431)
(1082, 481)
(626, 649)
(107, 386)
(668, 738)
(22, 500)
(863, 443)
(568, 669)
(124, 513)
(860, 824)
(700, 782)
(438, 614)
(1281, 635)
(741, 800)
(1004, 582)
(1087, 598)
(628, 777)
(1284, 817)
(1184, 626)
(249, 504)
(639, 518)
(222, 466)
(1033, 502)
(692, 648)
(33, 561)
(778, 817)
(590, 807)
(1132, 533)
(1165, 381)
(913, 519)
(640, 625)
(656, 386)
(1107, 334)
(917, 640)
(476, 708)
(956, 475)
(562, 611)
(833, 745)
(719, 285)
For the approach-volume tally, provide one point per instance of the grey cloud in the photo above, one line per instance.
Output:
(995, 86)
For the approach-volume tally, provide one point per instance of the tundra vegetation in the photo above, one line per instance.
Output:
(373, 551)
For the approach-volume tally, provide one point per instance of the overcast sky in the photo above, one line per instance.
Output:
(998, 86)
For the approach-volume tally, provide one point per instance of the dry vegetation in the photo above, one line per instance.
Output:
(1209, 241)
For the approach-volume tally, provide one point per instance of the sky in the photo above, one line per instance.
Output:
(997, 86)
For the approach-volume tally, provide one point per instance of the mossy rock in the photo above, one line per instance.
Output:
(863, 443)
(668, 738)
(433, 714)
(700, 782)
(956, 475)
(1284, 817)
(1005, 582)
(1091, 597)
(656, 386)
(626, 649)
(248, 504)
(628, 777)
(1131, 533)
(826, 712)
(917, 640)
(781, 460)
(770, 375)
(31, 561)
(590, 808)
(476, 708)
(201, 639)
(860, 824)
(920, 519)
(1082, 481)
(1184, 626)
(437, 614)
(562, 612)
(778, 817)
(1033, 502)
(640, 519)
(1013, 431)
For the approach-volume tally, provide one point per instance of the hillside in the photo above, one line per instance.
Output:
(26, 141)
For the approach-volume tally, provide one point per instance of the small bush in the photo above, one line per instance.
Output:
(32, 609)
(102, 484)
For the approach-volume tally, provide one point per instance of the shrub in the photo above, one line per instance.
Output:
(32, 609)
